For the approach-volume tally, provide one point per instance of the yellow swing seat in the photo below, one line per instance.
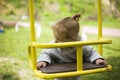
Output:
(78, 67)
(66, 69)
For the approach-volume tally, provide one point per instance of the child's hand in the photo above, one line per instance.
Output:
(100, 61)
(41, 64)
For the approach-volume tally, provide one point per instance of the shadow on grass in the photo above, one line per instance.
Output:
(7, 72)
(114, 74)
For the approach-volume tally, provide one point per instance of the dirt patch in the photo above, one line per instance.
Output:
(22, 73)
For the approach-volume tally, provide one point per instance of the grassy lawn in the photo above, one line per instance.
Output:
(14, 63)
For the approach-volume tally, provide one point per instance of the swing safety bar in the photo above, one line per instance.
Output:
(78, 44)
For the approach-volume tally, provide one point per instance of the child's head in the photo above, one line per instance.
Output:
(67, 29)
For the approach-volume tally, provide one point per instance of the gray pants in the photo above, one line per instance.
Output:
(68, 78)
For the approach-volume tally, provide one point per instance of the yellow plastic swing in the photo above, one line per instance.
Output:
(79, 65)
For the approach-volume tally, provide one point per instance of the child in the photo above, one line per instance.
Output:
(67, 30)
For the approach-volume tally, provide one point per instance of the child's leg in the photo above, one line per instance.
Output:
(68, 78)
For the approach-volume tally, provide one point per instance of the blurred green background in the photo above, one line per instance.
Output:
(14, 63)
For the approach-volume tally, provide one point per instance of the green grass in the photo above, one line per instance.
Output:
(13, 54)
(14, 63)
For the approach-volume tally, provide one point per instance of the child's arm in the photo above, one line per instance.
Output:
(45, 58)
(100, 61)
(93, 56)
(41, 64)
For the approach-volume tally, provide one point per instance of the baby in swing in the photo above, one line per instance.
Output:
(67, 30)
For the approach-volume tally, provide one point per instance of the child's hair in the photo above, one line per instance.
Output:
(67, 29)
